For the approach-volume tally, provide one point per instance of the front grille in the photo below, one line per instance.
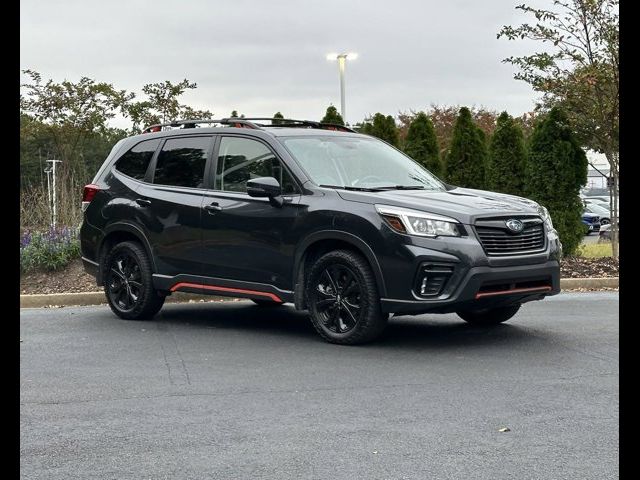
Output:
(497, 239)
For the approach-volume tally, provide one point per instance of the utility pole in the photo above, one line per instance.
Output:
(51, 188)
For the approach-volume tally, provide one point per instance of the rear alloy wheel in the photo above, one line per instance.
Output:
(128, 283)
(343, 299)
(489, 316)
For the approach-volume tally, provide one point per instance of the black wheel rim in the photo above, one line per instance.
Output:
(124, 282)
(338, 299)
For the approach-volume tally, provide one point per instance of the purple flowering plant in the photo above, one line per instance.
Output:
(51, 249)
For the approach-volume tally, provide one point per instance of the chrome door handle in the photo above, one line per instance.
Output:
(212, 208)
(143, 202)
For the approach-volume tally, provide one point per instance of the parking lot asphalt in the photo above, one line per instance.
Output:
(235, 391)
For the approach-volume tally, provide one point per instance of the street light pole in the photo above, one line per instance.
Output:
(342, 62)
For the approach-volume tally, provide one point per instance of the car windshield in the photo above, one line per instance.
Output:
(359, 163)
(597, 209)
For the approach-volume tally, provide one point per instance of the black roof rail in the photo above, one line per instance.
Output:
(292, 123)
(192, 123)
(250, 123)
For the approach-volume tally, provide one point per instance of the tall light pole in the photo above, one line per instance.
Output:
(342, 61)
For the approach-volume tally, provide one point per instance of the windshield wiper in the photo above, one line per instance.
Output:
(399, 187)
(347, 187)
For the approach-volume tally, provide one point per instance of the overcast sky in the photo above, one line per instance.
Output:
(263, 56)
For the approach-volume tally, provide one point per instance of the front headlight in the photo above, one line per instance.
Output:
(544, 213)
(415, 222)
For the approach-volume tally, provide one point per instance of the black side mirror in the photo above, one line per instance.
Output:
(265, 187)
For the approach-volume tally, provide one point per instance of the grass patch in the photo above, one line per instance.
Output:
(595, 250)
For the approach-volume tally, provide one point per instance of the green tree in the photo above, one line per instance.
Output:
(277, 118)
(382, 127)
(507, 157)
(466, 160)
(556, 168)
(577, 70)
(421, 143)
(332, 116)
(162, 105)
(70, 112)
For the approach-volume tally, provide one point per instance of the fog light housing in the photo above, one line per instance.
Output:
(431, 279)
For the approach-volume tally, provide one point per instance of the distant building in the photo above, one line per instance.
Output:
(596, 179)
(597, 173)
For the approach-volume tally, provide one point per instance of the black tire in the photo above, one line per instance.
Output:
(605, 221)
(266, 303)
(489, 316)
(128, 283)
(343, 299)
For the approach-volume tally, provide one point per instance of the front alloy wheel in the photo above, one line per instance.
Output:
(337, 299)
(343, 299)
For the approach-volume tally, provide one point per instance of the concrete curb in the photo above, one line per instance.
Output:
(604, 282)
(97, 298)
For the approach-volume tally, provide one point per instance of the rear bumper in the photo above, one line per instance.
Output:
(487, 287)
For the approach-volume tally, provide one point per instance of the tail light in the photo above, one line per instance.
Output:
(87, 195)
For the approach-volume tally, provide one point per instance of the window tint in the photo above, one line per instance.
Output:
(181, 162)
(134, 163)
(241, 159)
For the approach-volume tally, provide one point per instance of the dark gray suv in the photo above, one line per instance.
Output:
(338, 223)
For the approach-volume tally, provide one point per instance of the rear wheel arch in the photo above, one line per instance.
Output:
(316, 245)
(118, 233)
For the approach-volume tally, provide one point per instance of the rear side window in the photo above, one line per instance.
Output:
(135, 162)
(181, 162)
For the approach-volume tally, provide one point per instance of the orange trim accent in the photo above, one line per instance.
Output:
(515, 290)
(272, 296)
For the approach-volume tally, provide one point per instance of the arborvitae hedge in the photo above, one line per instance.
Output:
(382, 127)
(421, 143)
(332, 116)
(277, 115)
(556, 168)
(507, 157)
(466, 161)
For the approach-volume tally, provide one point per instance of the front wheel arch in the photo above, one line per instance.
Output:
(319, 243)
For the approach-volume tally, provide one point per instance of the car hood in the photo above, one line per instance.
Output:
(463, 204)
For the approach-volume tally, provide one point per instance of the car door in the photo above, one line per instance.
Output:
(172, 201)
(244, 238)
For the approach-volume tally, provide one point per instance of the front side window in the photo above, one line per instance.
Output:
(181, 162)
(135, 162)
(241, 159)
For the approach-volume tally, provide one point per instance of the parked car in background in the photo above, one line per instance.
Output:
(591, 222)
(602, 201)
(605, 216)
(605, 233)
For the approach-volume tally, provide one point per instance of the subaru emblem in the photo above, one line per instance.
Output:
(514, 225)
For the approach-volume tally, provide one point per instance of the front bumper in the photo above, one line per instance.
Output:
(487, 287)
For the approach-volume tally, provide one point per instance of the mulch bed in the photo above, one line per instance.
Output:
(578, 267)
(74, 279)
(70, 279)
